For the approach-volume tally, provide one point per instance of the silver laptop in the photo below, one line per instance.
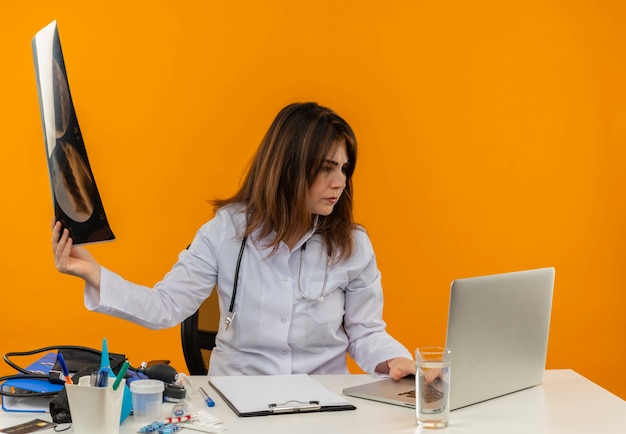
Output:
(498, 327)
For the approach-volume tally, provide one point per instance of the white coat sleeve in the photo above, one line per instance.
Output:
(370, 344)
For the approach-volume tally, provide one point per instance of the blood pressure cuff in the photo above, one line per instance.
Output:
(80, 359)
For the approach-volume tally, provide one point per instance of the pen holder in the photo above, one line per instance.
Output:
(95, 410)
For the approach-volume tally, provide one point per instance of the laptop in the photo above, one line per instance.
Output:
(498, 327)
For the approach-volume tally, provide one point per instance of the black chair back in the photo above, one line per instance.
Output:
(198, 334)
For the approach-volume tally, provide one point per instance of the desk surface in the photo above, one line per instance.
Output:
(565, 402)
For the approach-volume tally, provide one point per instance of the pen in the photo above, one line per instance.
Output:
(120, 375)
(207, 398)
(66, 372)
(103, 377)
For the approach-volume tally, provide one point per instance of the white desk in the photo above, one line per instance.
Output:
(566, 402)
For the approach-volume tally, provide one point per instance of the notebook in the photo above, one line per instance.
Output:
(498, 327)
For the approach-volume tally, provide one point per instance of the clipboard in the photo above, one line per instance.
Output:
(265, 395)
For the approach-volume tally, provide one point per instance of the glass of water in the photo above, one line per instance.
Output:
(432, 387)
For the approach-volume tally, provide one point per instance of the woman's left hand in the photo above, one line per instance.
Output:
(401, 367)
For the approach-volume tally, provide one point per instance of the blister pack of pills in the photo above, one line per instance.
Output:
(201, 421)
(204, 421)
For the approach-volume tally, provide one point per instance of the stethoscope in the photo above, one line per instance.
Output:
(320, 297)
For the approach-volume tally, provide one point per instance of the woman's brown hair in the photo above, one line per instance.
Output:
(286, 164)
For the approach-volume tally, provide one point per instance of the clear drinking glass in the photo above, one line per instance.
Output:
(433, 387)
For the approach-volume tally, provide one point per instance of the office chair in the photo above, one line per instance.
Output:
(197, 335)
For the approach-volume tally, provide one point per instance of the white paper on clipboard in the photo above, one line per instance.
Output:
(260, 395)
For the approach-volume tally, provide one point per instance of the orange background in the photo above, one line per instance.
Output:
(492, 138)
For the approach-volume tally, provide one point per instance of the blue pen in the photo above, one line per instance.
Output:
(207, 398)
(66, 372)
(103, 377)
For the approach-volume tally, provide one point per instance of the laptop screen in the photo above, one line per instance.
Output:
(498, 328)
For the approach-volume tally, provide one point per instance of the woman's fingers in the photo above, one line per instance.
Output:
(432, 374)
(62, 247)
(56, 233)
(401, 367)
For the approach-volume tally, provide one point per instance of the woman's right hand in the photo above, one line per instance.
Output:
(73, 260)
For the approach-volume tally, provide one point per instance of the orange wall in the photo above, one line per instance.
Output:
(492, 138)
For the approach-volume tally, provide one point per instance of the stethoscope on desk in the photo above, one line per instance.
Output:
(231, 309)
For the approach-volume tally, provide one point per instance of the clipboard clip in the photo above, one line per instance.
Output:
(294, 406)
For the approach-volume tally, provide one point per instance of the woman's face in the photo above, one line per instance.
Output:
(330, 182)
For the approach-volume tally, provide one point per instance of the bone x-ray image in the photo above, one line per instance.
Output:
(76, 200)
